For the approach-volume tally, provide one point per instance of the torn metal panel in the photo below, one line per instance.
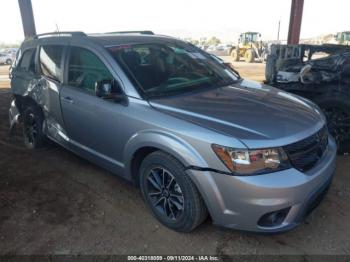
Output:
(308, 64)
(320, 73)
(287, 77)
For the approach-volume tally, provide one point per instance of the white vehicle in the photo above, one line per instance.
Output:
(6, 58)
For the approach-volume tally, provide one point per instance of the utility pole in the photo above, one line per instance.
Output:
(28, 22)
(296, 15)
(278, 32)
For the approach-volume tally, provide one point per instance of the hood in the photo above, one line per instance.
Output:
(248, 111)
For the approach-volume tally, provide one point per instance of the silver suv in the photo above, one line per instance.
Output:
(179, 123)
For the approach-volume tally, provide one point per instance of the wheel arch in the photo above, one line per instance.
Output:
(233, 48)
(21, 101)
(146, 142)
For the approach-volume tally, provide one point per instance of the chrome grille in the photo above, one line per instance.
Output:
(305, 154)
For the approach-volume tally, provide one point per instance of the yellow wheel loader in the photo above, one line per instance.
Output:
(249, 47)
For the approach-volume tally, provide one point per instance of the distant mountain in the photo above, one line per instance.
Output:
(224, 34)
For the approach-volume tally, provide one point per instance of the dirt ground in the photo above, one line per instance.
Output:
(53, 202)
(254, 71)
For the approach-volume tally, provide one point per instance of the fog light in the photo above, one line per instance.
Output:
(273, 219)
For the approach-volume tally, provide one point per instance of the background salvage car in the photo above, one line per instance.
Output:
(320, 73)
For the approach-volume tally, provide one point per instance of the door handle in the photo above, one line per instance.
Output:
(68, 99)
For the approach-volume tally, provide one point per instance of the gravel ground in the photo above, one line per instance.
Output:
(53, 202)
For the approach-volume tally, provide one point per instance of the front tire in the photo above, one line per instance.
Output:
(235, 55)
(33, 119)
(170, 194)
(8, 61)
(249, 56)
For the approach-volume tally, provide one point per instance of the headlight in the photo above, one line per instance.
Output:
(252, 162)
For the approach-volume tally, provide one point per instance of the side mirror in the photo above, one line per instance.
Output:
(109, 89)
(103, 88)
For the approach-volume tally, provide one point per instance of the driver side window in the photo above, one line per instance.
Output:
(85, 69)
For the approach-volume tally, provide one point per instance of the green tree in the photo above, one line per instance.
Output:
(195, 41)
(214, 41)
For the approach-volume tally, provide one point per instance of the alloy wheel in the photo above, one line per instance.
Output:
(165, 193)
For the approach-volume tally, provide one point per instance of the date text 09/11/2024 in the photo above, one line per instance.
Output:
(173, 258)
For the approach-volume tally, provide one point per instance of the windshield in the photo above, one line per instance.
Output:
(251, 37)
(347, 36)
(165, 69)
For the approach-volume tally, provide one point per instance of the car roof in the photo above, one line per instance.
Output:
(130, 38)
(102, 39)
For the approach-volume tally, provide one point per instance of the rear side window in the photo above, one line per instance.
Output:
(27, 63)
(85, 69)
(50, 61)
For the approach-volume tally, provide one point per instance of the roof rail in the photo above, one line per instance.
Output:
(144, 32)
(64, 33)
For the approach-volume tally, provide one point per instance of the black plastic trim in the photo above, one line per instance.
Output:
(204, 169)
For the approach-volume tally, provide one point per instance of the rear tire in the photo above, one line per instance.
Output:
(8, 61)
(170, 194)
(249, 56)
(235, 55)
(33, 135)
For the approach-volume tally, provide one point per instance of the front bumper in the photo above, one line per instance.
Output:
(239, 202)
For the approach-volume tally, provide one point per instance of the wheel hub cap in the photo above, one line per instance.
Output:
(165, 193)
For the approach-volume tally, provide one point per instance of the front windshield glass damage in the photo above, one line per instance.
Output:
(165, 69)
